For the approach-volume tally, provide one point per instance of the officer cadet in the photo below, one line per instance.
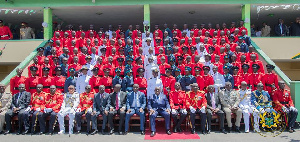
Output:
(196, 102)
(135, 104)
(32, 81)
(168, 81)
(262, 102)
(71, 80)
(89, 65)
(16, 81)
(208, 79)
(244, 75)
(53, 102)
(214, 107)
(141, 81)
(106, 80)
(153, 82)
(187, 79)
(117, 79)
(68, 107)
(19, 106)
(178, 106)
(128, 62)
(227, 76)
(5, 103)
(218, 79)
(199, 78)
(37, 104)
(255, 77)
(127, 81)
(236, 78)
(270, 80)
(283, 101)
(85, 107)
(230, 100)
(148, 68)
(158, 104)
(95, 80)
(178, 75)
(46, 80)
(59, 80)
(82, 80)
(245, 104)
(117, 105)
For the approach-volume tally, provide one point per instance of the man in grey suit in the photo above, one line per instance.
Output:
(117, 105)
(214, 107)
(136, 103)
(100, 106)
(19, 106)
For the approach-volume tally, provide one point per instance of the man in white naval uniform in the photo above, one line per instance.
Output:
(68, 107)
(151, 54)
(89, 65)
(146, 47)
(149, 67)
(218, 79)
(82, 80)
(153, 82)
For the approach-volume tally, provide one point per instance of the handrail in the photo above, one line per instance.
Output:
(22, 65)
(282, 75)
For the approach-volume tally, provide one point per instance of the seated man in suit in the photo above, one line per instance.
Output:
(19, 106)
(136, 103)
(214, 107)
(100, 106)
(158, 104)
(117, 105)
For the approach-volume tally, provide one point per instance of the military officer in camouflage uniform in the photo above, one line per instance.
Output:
(5, 102)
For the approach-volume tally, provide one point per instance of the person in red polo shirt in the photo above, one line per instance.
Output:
(5, 33)
(16, 81)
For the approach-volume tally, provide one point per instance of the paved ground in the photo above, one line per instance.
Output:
(136, 137)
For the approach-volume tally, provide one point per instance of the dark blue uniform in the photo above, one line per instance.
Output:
(229, 78)
(116, 80)
(186, 81)
(70, 81)
(127, 84)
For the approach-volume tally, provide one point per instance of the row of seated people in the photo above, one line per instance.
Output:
(178, 102)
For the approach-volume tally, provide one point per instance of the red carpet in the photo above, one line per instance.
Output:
(162, 135)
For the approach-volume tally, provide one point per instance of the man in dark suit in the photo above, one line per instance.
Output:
(281, 29)
(136, 103)
(214, 107)
(19, 106)
(100, 106)
(117, 105)
(158, 104)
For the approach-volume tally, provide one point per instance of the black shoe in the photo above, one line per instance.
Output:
(203, 132)
(41, 133)
(78, 132)
(152, 134)
(208, 132)
(179, 129)
(1, 132)
(169, 132)
(87, 133)
(102, 132)
(125, 133)
(193, 131)
(229, 129)
(24, 133)
(237, 129)
(51, 133)
(142, 132)
(291, 130)
(223, 131)
(175, 130)
(121, 133)
(111, 131)
(6, 132)
(94, 132)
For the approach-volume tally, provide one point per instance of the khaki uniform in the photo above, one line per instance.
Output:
(5, 102)
(27, 33)
(230, 99)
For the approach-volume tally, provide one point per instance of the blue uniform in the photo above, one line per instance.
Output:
(116, 80)
(134, 102)
(70, 81)
(178, 78)
(64, 70)
(127, 48)
(244, 47)
(159, 103)
(186, 81)
(47, 51)
(229, 78)
(127, 84)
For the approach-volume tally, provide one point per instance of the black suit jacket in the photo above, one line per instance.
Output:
(112, 99)
(102, 103)
(23, 101)
(209, 101)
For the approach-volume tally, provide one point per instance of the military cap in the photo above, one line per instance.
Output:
(177, 69)
(245, 66)
(179, 58)
(226, 57)
(120, 59)
(55, 58)
(193, 48)
(130, 50)
(88, 57)
(211, 48)
(185, 48)
(175, 39)
(157, 39)
(168, 69)
(84, 68)
(95, 69)
(71, 70)
(269, 66)
(121, 48)
(46, 69)
(117, 70)
(50, 40)
(148, 39)
(58, 69)
(235, 68)
(154, 69)
(206, 68)
(188, 68)
(241, 37)
(128, 70)
(226, 67)
(106, 69)
(138, 58)
(197, 68)
(40, 49)
(141, 70)
(33, 68)
(128, 58)
(103, 49)
(255, 66)
(231, 37)
(172, 59)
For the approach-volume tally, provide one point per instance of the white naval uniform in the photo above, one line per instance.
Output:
(146, 49)
(148, 70)
(94, 59)
(90, 67)
(68, 107)
(146, 62)
(81, 82)
(248, 108)
(219, 81)
(152, 84)
(99, 49)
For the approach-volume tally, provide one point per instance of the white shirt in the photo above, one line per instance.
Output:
(100, 47)
(90, 67)
(148, 70)
(152, 84)
(94, 59)
(146, 49)
(210, 65)
(82, 81)
(146, 62)
(187, 32)
(246, 100)
(218, 79)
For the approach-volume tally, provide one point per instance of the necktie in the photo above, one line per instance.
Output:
(117, 102)
(213, 101)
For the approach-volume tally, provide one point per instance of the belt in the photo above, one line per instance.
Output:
(284, 103)
(107, 87)
(96, 87)
(178, 104)
(270, 85)
(36, 105)
(255, 85)
(32, 87)
(4, 35)
(222, 87)
(16, 88)
(60, 87)
(142, 88)
(235, 87)
(46, 87)
(86, 105)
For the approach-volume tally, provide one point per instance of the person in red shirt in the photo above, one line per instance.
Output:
(95, 80)
(46, 80)
(163, 66)
(40, 55)
(283, 102)
(255, 77)
(178, 106)
(138, 64)
(35, 64)
(141, 81)
(85, 107)
(32, 81)
(258, 62)
(244, 75)
(199, 78)
(38, 105)
(5, 33)
(168, 81)
(236, 78)
(106, 80)
(46, 64)
(208, 79)
(59, 80)
(270, 80)
(16, 81)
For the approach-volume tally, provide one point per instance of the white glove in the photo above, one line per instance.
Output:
(284, 109)
(49, 109)
(173, 111)
(268, 110)
(38, 109)
(241, 106)
(27, 109)
(184, 111)
(89, 110)
(292, 109)
(202, 109)
(78, 110)
(192, 109)
(45, 110)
